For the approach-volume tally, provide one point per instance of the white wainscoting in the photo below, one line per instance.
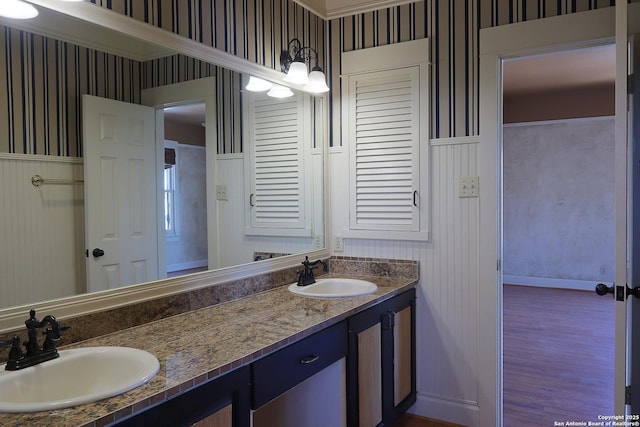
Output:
(41, 229)
(447, 312)
(235, 247)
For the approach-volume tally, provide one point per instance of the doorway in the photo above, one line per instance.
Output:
(185, 189)
(558, 236)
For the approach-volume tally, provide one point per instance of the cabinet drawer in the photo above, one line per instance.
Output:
(286, 368)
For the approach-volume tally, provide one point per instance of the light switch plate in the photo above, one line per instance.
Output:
(468, 186)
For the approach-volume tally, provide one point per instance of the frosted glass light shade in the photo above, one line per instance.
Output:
(17, 9)
(317, 82)
(297, 74)
(258, 85)
(278, 91)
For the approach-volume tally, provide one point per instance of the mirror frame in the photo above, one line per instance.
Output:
(12, 319)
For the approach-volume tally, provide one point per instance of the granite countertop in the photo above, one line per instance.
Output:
(204, 344)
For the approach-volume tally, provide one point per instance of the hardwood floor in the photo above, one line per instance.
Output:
(558, 352)
(410, 420)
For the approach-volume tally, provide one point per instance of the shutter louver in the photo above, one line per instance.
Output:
(277, 129)
(384, 128)
(277, 163)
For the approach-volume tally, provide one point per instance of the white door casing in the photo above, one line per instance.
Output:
(120, 193)
(633, 304)
(190, 92)
(523, 39)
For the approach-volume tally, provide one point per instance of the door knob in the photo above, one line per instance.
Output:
(635, 291)
(602, 289)
(97, 252)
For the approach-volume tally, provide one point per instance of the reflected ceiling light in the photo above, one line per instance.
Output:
(278, 91)
(258, 85)
(17, 9)
(293, 61)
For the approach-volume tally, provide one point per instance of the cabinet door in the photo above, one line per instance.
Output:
(221, 418)
(403, 380)
(381, 363)
(222, 402)
(369, 378)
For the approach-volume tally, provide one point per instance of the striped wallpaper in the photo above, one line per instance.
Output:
(453, 27)
(45, 80)
(256, 30)
(39, 104)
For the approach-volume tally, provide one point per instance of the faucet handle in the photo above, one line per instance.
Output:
(15, 353)
(32, 322)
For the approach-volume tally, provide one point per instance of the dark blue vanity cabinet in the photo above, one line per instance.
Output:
(381, 364)
(221, 402)
(365, 365)
(275, 374)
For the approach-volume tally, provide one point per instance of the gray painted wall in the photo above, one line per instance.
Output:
(191, 246)
(558, 199)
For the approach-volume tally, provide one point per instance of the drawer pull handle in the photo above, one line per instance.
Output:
(309, 359)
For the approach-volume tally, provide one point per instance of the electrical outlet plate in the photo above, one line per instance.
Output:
(222, 192)
(468, 186)
(338, 243)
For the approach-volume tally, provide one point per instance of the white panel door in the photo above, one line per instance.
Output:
(120, 193)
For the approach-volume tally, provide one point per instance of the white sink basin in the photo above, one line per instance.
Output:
(80, 375)
(335, 287)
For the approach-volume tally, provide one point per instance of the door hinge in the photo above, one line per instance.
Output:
(627, 395)
(630, 84)
(388, 320)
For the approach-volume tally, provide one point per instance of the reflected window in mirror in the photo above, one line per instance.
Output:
(170, 189)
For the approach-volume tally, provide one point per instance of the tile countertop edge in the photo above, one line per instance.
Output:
(161, 388)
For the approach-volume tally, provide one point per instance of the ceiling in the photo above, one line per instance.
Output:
(190, 115)
(560, 70)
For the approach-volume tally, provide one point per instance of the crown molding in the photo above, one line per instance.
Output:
(333, 9)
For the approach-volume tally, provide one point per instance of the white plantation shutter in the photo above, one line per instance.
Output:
(384, 134)
(277, 131)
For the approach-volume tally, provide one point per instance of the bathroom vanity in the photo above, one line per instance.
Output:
(358, 372)
(223, 365)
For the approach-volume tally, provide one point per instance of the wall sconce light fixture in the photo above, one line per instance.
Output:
(17, 9)
(258, 85)
(293, 62)
(278, 91)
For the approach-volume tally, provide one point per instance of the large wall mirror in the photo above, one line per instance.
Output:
(210, 203)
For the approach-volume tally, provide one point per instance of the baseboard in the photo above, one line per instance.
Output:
(453, 411)
(546, 282)
(187, 265)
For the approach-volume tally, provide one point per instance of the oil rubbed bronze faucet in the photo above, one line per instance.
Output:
(305, 276)
(34, 353)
